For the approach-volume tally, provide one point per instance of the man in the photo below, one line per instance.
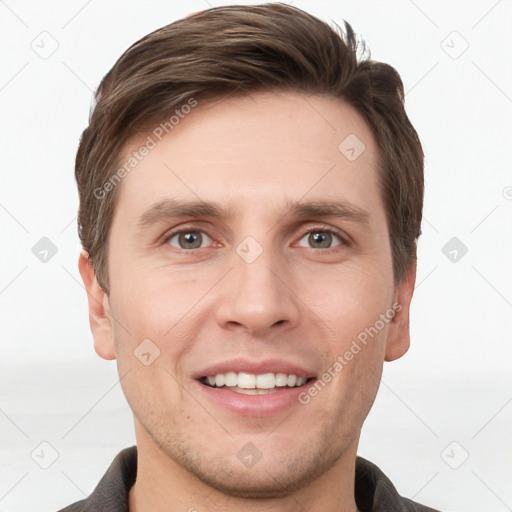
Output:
(250, 200)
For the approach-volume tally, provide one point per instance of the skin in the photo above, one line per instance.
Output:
(297, 301)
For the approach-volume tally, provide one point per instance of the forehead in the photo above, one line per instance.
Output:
(257, 151)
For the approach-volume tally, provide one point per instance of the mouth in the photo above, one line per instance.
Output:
(254, 389)
(255, 384)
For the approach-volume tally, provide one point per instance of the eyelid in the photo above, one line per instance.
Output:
(344, 238)
(184, 229)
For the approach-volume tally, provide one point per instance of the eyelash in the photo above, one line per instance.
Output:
(344, 241)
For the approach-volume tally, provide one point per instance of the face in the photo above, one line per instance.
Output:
(249, 254)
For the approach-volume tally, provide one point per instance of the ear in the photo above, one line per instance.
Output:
(398, 340)
(100, 318)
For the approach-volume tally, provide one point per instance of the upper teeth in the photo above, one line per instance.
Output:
(251, 381)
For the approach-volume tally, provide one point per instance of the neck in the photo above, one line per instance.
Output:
(164, 485)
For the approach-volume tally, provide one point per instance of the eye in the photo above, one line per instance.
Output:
(187, 239)
(321, 239)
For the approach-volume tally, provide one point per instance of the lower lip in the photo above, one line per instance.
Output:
(255, 405)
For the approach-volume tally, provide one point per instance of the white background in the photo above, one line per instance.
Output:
(453, 385)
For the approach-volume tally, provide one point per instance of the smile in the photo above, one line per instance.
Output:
(253, 384)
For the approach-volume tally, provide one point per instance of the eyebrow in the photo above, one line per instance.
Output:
(172, 208)
(336, 209)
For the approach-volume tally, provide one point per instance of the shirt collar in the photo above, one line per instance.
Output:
(374, 492)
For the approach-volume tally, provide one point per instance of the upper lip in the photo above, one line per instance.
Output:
(255, 367)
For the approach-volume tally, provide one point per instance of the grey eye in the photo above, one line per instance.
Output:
(320, 239)
(188, 239)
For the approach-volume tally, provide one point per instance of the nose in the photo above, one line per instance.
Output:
(257, 297)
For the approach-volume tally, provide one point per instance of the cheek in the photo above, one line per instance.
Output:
(158, 322)
(351, 305)
(348, 302)
(153, 302)
(347, 388)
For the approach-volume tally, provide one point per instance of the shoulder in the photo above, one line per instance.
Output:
(112, 491)
(375, 492)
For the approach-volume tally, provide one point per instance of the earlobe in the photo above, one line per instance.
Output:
(100, 319)
(398, 340)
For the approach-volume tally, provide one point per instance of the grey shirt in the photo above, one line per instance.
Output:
(374, 492)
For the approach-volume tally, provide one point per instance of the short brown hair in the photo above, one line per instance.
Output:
(238, 50)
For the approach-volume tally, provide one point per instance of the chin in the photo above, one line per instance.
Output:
(275, 475)
(262, 483)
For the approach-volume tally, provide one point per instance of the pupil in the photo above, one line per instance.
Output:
(190, 240)
(320, 239)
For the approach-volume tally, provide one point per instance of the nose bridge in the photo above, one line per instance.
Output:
(255, 297)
